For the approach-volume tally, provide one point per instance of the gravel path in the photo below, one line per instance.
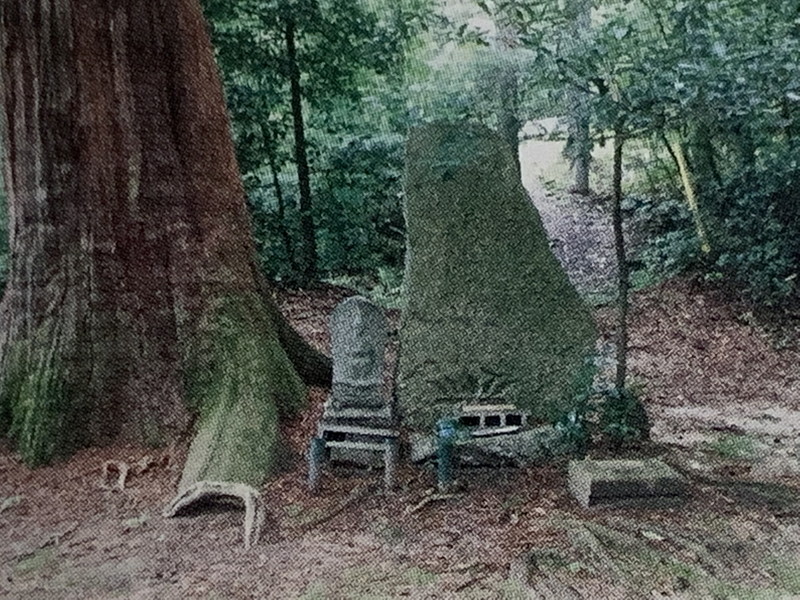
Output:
(579, 227)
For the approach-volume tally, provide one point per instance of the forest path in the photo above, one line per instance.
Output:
(579, 227)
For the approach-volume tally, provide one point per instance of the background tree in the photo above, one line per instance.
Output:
(134, 301)
(3, 236)
(704, 86)
(579, 143)
(315, 60)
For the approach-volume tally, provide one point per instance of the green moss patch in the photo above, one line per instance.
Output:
(36, 406)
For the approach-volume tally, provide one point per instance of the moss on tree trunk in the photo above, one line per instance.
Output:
(239, 380)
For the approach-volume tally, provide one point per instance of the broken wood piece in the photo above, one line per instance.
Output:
(111, 466)
(215, 490)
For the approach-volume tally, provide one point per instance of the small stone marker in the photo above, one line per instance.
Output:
(625, 483)
(358, 341)
(357, 425)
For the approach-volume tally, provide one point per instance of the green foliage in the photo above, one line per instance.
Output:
(734, 447)
(348, 53)
(722, 78)
(575, 430)
(622, 418)
(719, 77)
(618, 417)
(360, 221)
(761, 252)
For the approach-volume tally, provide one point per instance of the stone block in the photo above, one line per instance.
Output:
(625, 483)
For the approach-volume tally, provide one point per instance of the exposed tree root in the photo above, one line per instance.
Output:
(119, 467)
(214, 490)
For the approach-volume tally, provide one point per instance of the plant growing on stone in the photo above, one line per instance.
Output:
(480, 386)
(574, 430)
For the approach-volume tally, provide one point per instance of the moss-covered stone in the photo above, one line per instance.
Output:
(491, 314)
(239, 380)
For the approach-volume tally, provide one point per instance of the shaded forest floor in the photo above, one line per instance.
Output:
(723, 395)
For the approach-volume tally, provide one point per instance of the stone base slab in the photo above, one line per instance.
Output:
(629, 483)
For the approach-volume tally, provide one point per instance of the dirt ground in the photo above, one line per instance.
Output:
(723, 395)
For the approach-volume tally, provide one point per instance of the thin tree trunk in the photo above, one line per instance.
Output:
(622, 264)
(508, 114)
(509, 111)
(579, 143)
(134, 299)
(309, 253)
(675, 147)
(276, 183)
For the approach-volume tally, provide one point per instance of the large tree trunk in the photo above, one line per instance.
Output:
(134, 301)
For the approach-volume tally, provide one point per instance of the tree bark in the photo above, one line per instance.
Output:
(134, 303)
(509, 112)
(505, 42)
(309, 249)
(579, 143)
(622, 264)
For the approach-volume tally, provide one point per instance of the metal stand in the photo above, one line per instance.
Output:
(373, 439)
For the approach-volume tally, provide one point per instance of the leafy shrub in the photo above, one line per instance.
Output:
(610, 414)
(358, 215)
(758, 232)
(622, 417)
(575, 431)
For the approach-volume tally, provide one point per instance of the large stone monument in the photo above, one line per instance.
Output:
(491, 316)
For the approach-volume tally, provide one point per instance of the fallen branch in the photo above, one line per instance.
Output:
(428, 499)
(123, 470)
(352, 498)
(472, 581)
(203, 490)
